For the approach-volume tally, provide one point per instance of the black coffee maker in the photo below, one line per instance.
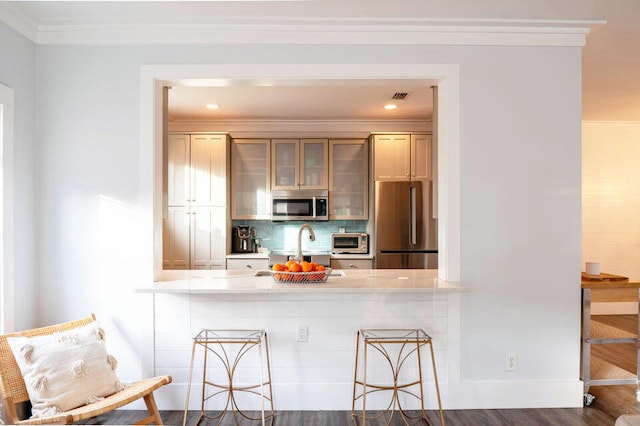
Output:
(244, 239)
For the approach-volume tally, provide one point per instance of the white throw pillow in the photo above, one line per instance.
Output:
(65, 370)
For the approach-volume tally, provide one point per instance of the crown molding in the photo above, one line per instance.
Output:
(20, 22)
(288, 30)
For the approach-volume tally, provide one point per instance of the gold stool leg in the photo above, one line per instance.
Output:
(419, 356)
(355, 381)
(435, 377)
(364, 385)
(263, 338)
(266, 346)
(186, 404)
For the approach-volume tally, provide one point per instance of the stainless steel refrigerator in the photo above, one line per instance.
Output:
(406, 234)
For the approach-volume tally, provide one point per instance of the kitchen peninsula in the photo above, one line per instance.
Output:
(316, 374)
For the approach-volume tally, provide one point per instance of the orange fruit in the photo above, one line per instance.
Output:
(278, 267)
(295, 267)
(314, 266)
(321, 268)
(306, 266)
(290, 262)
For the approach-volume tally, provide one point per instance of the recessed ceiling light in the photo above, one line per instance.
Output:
(213, 106)
(390, 106)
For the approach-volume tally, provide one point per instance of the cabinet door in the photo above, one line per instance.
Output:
(178, 159)
(208, 238)
(208, 170)
(314, 164)
(250, 179)
(421, 157)
(392, 155)
(348, 179)
(175, 238)
(284, 170)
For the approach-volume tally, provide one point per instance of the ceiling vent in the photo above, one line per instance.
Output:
(399, 95)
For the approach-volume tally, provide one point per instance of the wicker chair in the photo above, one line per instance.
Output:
(13, 390)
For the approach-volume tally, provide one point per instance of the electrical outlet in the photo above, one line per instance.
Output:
(511, 361)
(302, 333)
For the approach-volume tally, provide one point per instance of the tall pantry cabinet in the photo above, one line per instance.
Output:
(194, 231)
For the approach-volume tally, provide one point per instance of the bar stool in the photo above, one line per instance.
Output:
(409, 342)
(222, 343)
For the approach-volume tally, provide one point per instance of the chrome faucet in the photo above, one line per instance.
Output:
(312, 237)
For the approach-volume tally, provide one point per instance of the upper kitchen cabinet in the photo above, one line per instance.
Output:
(348, 179)
(420, 157)
(196, 170)
(250, 179)
(195, 224)
(402, 157)
(299, 164)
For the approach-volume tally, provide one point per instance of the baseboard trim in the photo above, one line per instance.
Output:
(467, 395)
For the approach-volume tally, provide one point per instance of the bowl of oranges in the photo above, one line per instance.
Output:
(299, 272)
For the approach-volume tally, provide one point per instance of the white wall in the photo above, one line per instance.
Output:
(520, 193)
(17, 71)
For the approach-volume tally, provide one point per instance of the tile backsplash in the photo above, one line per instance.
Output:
(284, 235)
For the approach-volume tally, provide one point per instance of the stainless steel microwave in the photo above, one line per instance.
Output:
(299, 205)
(349, 242)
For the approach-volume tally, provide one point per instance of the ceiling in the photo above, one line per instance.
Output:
(611, 63)
(322, 101)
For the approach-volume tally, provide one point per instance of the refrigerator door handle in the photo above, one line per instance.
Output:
(412, 198)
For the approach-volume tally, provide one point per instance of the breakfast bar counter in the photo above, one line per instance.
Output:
(314, 372)
(364, 280)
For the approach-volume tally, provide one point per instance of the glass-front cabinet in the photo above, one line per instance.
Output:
(299, 164)
(348, 179)
(250, 179)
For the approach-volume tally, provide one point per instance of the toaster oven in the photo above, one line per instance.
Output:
(350, 242)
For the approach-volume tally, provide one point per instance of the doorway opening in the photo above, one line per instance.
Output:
(154, 78)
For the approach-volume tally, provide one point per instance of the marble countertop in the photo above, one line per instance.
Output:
(359, 281)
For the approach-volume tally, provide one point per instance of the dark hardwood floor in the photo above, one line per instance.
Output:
(610, 403)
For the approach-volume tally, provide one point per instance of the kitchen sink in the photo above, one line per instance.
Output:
(319, 256)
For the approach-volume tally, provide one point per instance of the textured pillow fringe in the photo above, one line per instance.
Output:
(100, 333)
(120, 386)
(27, 351)
(79, 368)
(113, 362)
(92, 399)
(71, 339)
(49, 411)
(40, 383)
